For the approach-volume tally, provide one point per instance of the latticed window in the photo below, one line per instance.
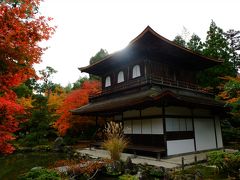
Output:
(107, 81)
(120, 77)
(136, 71)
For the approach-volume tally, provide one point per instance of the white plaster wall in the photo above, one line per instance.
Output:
(132, 113)
(218, 132)
(189, 124)
(176, 110)
(146, 126)
(204, 134)
(157, 126)
(180, 146)
(137, 127)
(151, 111)
(127, 127)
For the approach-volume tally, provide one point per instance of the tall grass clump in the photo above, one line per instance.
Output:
(115, 141)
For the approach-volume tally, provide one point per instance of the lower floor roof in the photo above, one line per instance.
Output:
(150, 97)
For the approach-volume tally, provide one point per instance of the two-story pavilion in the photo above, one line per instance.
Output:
(151, 86)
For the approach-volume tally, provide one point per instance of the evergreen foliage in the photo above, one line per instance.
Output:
(195, 44)
(101, 54)
(218, 46)
(180, 41)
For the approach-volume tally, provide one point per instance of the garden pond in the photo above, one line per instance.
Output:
(18, 163)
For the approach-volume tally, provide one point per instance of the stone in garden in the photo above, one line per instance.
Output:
(36, 168)
(58, 144)
(128, 165)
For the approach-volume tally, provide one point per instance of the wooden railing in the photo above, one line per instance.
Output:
(141, 81)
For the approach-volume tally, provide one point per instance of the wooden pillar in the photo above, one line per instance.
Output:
(215, 131)
(164, 127)
(220, 122)
(96, 120)
(194, 138)
(140, 113)
(145, 67)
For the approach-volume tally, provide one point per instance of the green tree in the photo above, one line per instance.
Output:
(68, 88)
(195, 44)
(101, 54)
(180, 41)
(233, 38)
(47, 86)
(216, 46)
(79, 82)
(38, 128)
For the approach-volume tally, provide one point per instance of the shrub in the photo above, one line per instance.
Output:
(115, 142)
(227, 163)
(41, 174)
(217, 158)
(114, 168)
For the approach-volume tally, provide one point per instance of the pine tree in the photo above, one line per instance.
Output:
(216, 46)
(102, 53)
(180, 41)
(233, 38)
(195, 44)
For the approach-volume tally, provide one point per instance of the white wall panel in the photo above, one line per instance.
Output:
(137, 126)
(172, 124)
(157, 126)
(182, 124)
(180, 146)
(127, 128)
(179, 124)
(204, 134)
(152, 111)
(219, 132)
(189, 124)
(146, 126)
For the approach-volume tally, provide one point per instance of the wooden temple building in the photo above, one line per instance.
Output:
(151, 86)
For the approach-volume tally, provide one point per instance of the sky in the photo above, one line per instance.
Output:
(86, 26)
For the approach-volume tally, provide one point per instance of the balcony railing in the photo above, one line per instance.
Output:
(141, 81)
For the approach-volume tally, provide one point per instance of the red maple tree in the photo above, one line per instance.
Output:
(21, 30)
(75, 99)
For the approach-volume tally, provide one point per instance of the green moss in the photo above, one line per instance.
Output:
(128, 177)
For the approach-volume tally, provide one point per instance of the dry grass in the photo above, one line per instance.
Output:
(115, 142)
(115, 146)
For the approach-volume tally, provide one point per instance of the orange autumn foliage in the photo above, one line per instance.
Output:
(75, 99)
(55, 99)
(26, 102)
(231, 94)
(21, 30)
(8, 124)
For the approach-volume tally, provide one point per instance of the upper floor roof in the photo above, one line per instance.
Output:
(150, 44)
